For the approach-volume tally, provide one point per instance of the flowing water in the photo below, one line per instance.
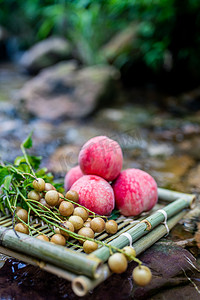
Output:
(152, 139)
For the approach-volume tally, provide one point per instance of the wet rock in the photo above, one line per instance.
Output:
(166, 262)
(160, 149)
(193, 178)
(10, 80)
(45, 53)
(190, 146)
(80, 134)
(187, 292)
(169, 172)
(63, 159)
(8, 126)
(170, 266)
(64, 91)
(7, 109)
(128, 119)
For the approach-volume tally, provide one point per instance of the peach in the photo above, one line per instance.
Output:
(135, 191)
(74, 174)
(95, 193)
(101, 156)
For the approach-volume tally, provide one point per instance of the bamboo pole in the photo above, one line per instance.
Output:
(81, 285)
(147, 241)
(149, 223)
(60, 256)
(41, 264)
(171, 196)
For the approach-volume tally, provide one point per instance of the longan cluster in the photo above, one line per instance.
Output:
(74, 218)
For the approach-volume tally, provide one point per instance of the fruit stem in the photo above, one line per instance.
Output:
(75, 203)
(45, 208)
(8, 201)
(28, 222)
(27, 160)
(72, 244)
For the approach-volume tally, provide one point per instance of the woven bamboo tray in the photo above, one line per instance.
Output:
(87, 271)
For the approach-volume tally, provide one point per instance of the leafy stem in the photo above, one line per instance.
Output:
(76, 236)
(27, 161)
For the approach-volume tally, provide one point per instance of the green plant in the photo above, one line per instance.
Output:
(166, 26)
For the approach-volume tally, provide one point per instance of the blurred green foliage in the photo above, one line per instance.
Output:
(166, 26)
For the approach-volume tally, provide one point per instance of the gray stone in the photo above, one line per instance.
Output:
(63, 159)
(170, 266)
(45, 53)
(64, 91)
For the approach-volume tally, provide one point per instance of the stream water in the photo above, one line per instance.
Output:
(154, 140)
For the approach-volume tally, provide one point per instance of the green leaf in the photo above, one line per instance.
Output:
(3, 173)
(24, 168)
(59, 187)
(7, 182)
(19, 160)
(41, 172)
(2, 208)
(27, 143)
(35, 161)
(114, 215)
(27, 183)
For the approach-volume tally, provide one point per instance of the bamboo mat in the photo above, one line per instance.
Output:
(82, 283)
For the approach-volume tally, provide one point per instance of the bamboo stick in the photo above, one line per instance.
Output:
(149, 223)
(43, 265)
(170, 196)
(67, 259)
(147, 241)
(81, 285)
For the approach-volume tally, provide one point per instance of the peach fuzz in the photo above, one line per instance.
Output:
(95, 193)
(101, 156)
(73, 175)
(135, 191)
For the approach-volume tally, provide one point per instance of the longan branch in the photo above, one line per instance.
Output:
(75, 203)
(46, 216)
(28, 225)
(28, 222)
(96, 215)
(46, 209)
(72, 244)
(72, 234)
(93, 214)
(83, 238)
(27, 161)
(9, 204)
(15, 170)
(15, 199)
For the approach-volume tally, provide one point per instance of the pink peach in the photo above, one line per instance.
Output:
(101, 156)
(95, 193)
(135, 191)
(74, 174)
